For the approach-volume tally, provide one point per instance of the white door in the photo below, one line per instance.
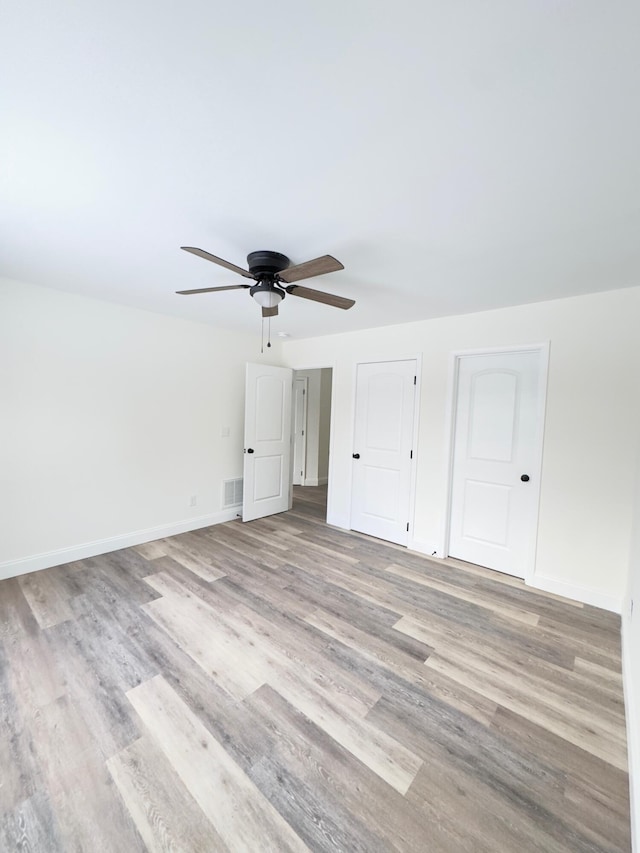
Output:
(383, 449)
(497, 452)
(267, 440)
(299, 430)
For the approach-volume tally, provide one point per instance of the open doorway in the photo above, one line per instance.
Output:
(311, 435)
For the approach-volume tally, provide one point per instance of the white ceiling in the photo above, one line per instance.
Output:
(455, 156)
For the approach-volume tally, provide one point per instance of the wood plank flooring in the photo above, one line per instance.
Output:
(287, 686)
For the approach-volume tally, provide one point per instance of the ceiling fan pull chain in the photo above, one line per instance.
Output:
(262, 337)
(269, 333)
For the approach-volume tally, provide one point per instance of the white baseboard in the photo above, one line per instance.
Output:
(632, 710)
(12, 568)
(585, 594)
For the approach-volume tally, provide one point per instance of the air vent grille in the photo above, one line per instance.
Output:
(232, 492)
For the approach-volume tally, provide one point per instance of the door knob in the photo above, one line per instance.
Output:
(356, 455)
(250, 450)
(525, 478)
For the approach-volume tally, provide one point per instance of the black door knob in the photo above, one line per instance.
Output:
(356, 455)
(250, 450)
(525, 478)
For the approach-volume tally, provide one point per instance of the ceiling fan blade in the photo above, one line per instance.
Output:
(319, 296)
(270, 312)
(221, 263)
(213, 289)
(318, 266)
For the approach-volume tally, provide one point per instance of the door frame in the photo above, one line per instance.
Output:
(324, 366)
(450, 425)
(304, 418)
(417, 358)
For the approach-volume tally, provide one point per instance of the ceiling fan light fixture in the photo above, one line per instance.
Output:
(266, 295)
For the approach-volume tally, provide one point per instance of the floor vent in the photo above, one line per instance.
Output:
(232, 492)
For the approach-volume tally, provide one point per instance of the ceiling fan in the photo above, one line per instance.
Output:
(274, 278)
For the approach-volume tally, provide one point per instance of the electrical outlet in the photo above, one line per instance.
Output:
(193, 500)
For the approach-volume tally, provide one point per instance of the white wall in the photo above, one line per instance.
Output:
(312, 433)
(318, 424)
(591, 436)
(324, 425)
(111, 419)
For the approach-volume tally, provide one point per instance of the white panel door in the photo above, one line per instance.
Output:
(383, 449)
(299, 430)
(496, 460)
(267, 440)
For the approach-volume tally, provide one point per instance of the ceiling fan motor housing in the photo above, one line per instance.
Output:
(267, 263)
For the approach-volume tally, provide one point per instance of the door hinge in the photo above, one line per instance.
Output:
(407, 526)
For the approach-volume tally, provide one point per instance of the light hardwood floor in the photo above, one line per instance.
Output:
(283, 686)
